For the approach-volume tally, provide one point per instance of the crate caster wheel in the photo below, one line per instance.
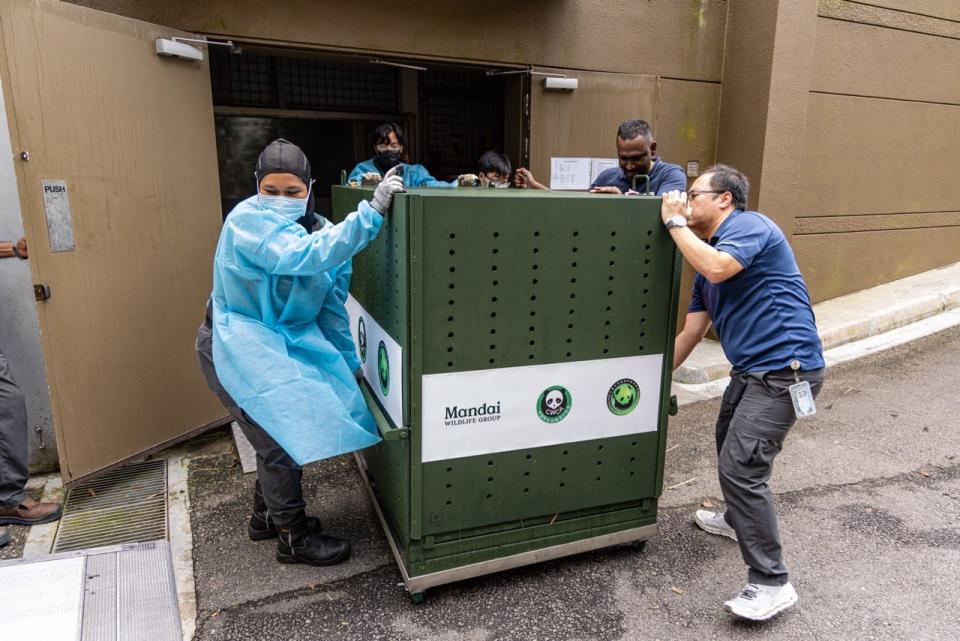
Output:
(640, 546)
(418, 597)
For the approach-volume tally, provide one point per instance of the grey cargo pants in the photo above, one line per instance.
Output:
(13, 439)
(278, 474)
(755, 415)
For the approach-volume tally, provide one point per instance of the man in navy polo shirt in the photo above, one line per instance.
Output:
(637, 153)
(749, 286)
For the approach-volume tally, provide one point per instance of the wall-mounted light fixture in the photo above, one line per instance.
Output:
(178, 48)
(551, 81)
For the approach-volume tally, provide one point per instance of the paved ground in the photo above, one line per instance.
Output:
(869, 497)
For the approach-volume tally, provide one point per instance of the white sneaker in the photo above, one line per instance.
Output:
(714, 523)
(761, 602)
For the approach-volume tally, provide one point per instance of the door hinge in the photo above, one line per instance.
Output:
(41, 292)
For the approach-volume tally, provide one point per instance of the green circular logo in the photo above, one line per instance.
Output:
(362, 339)
(383, 368)
(554, 404)
(623, 397)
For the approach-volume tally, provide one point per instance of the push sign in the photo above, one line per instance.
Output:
(56, 205)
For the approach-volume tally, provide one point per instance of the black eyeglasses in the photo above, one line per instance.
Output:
(693, 193)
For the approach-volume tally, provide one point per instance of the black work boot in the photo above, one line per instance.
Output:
(296, 543)
(261, 526)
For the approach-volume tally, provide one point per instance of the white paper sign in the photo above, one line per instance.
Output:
(598, 165)
(500, 410)
(569, 173)
(381, 358)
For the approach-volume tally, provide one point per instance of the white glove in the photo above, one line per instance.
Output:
(370, 178)
(390, 185)
(467, 180)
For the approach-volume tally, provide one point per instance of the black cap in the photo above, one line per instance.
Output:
(283, 157)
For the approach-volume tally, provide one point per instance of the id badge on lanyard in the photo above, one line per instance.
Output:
(801, 394)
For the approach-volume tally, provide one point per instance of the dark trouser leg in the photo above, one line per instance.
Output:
(753, 436)
(13, 439)
(277, 474)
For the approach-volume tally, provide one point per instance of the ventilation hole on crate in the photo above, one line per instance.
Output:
(536, 267)
(449, 485)
(449, 502)
(533, 313)
(453, 252)
(536, 233)
(526, 490)
(534, 297)
(532, 328)
(496, 282)
(452, 236)
(496, 234)
(449, 469)
(489, 479)
(489, 496)
(536, 250)
(452, 286)
(490, 463)
(493, 314)
(493, 268)
(449, 319)
(576, 233)
(563, 484)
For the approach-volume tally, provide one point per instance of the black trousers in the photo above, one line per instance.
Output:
(13, 439)
(755, 415)
(278, 474)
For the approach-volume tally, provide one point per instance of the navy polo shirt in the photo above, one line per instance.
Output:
(664, 177)
(762, 314)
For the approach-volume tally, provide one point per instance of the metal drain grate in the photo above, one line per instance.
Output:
(127, 505)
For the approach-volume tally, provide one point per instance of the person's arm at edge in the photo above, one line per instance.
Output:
(695, 327)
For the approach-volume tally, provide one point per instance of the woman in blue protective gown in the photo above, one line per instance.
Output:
(390, 150)
(283, 359)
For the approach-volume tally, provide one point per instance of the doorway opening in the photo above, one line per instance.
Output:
(329, 104)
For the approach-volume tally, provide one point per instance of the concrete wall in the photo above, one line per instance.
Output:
(880, 141)
(797, 93)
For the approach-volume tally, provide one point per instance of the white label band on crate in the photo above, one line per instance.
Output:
(381, 358)
(500, 410)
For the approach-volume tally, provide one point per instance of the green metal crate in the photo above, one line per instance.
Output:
(487, 302)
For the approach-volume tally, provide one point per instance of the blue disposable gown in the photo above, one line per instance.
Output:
(413, 175)
(281, 336)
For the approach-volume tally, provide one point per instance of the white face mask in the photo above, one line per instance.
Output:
(290, 208)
